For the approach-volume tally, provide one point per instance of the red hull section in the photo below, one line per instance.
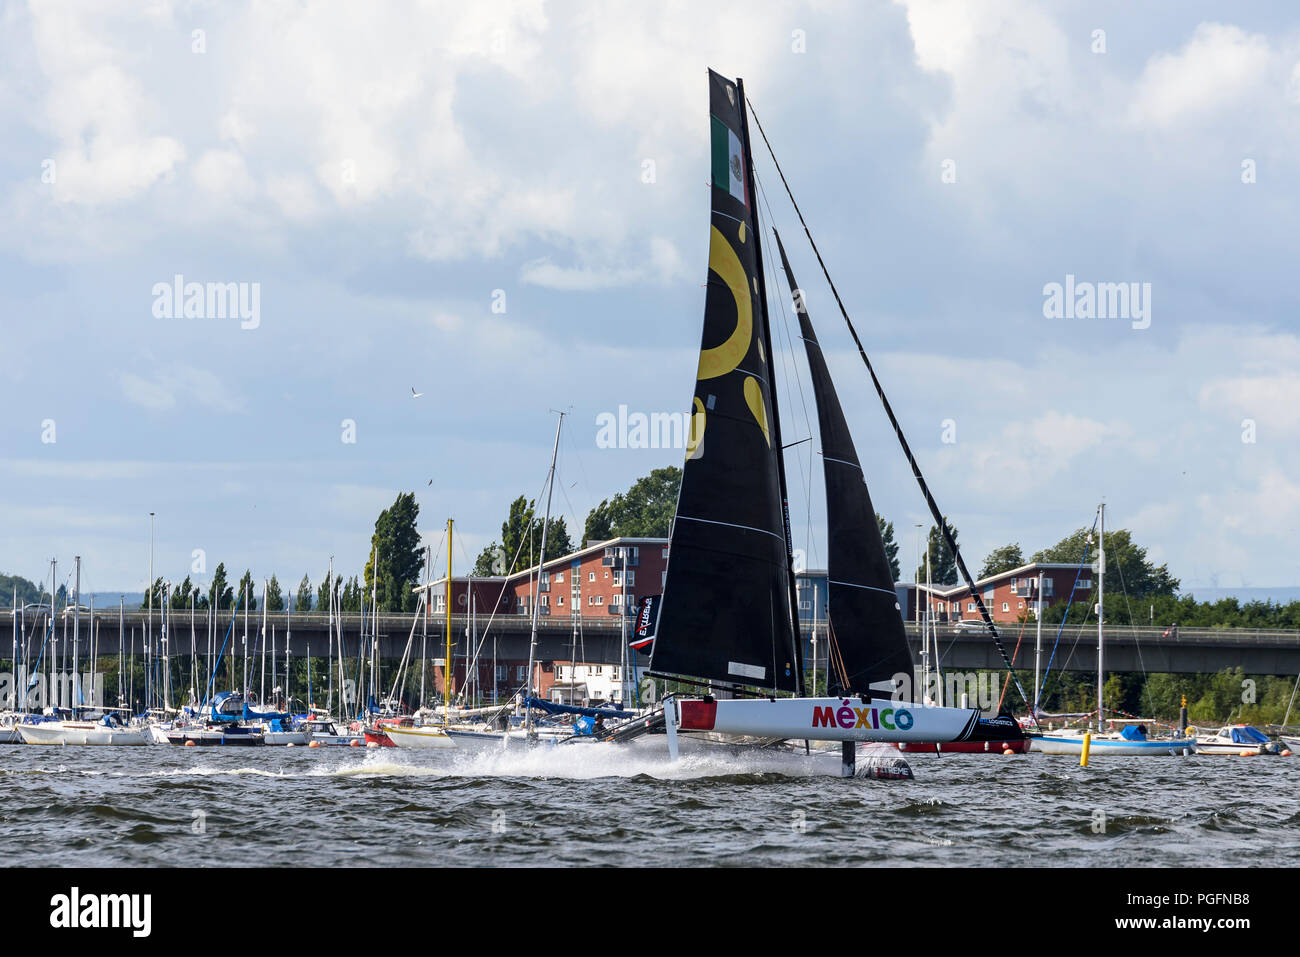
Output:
(1020, 746)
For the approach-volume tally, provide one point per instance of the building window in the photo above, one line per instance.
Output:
(665, 551)
(559, 578)
(988, 594)
(970, 606)
(1005, 607)
(546, 600)
(521, 673)
(1084, 583)
(1020, 605)
(591, 576)
(559, 600)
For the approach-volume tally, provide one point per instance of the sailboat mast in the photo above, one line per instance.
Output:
(76, 627)
(541, 563)
(1101, 612)
(447, 668)
(770, 361)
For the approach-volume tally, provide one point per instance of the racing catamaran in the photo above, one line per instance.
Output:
(726, 619)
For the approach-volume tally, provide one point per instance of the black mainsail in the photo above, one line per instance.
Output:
(727, 602)
(868, 640)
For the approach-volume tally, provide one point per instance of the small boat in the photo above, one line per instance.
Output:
(9, 728)
(1242, 739)
(403, 732)
(1132, 740)
(108, 730)
(322, 731)
(217, 733)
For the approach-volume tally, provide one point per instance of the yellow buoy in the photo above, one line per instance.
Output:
(1087, 746)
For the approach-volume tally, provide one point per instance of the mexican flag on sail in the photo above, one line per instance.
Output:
(728, 171)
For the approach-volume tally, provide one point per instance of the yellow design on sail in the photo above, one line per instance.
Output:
(722, 359)
(696, 435)
(754, 399)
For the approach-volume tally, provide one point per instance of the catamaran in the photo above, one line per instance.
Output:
(725, 619)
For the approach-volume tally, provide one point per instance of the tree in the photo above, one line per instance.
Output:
(157, 592)
(943, 564)
(350, 595)
(1002, 560)
(521, 538)
(1129, 575)
(302, 600)
(274, 599)
(396, 558)
(645, 510)
(27, 591)
(891, 546)
(182, 593)
(323, 592)
(220, 595)
(249, 600)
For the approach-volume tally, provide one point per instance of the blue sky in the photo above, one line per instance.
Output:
(381, 171)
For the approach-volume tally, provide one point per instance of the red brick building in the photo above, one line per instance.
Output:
(601, 580)
(1007, 595)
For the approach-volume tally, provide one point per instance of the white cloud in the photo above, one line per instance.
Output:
(1220, 66)
(180, 385)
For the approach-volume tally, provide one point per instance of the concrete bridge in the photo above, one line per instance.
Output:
(1192, 650)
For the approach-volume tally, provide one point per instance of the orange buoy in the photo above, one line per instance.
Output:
(1285, 752)
(191, 744)
(313, 744)
(354, 743)
(1246, 754)
(372, 744)
(1008, 751)
(289, 745)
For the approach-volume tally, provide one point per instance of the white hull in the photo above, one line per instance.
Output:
(826, 719)
(82, 732)
(1103, 745)
(283, 738)
(429, 738)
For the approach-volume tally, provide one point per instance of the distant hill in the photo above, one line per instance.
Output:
(1279, 595)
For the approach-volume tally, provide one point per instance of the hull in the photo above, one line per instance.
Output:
(1230, 748)
(337, 740)
(828, 719)
(428, 738)
(1073, 745)
(1021, 746)
(284, 738)
(83, 733)
(206, 737)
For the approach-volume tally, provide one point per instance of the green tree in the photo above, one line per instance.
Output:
(1129, 576)
(221, 595)
(274, 599)
(891, 546)
(521, 539)
(182, 593)
(1002, 560)
(396, 558)
(157, 592)
(943, 565)
(323, 593)
(645, 510)
(28, 591)
(350, 595)
(246, 590)
(302, 600)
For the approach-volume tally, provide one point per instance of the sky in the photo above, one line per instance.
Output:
(504, 206)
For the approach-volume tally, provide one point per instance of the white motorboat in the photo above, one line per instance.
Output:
(1241, 739)
(108, 730)
(411, 736)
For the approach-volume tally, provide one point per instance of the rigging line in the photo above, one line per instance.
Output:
(940, 521)
(1069, 603)
(805, 480)
(1119, 568)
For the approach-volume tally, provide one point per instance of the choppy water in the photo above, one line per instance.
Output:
(602, 804)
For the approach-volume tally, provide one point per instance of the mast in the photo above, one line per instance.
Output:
(1038, 648)
(424, 627)
(770, 362)
(261, 695)
(447, 664)
(329, 654)
(76, 626)
(541, 563)
(1101, 612)
(148, 638)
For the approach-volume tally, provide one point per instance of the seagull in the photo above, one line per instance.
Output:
(414, 394)
(430, 481)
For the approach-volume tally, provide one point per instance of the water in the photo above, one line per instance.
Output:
(602, 804)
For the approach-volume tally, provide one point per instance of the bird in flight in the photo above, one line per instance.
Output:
(414, 394)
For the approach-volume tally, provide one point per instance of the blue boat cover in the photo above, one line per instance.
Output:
(1132, 732)
(1248, 735)
(550, 707)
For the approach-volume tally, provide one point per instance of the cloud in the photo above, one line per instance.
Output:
(1221, 65)
(182, 385)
